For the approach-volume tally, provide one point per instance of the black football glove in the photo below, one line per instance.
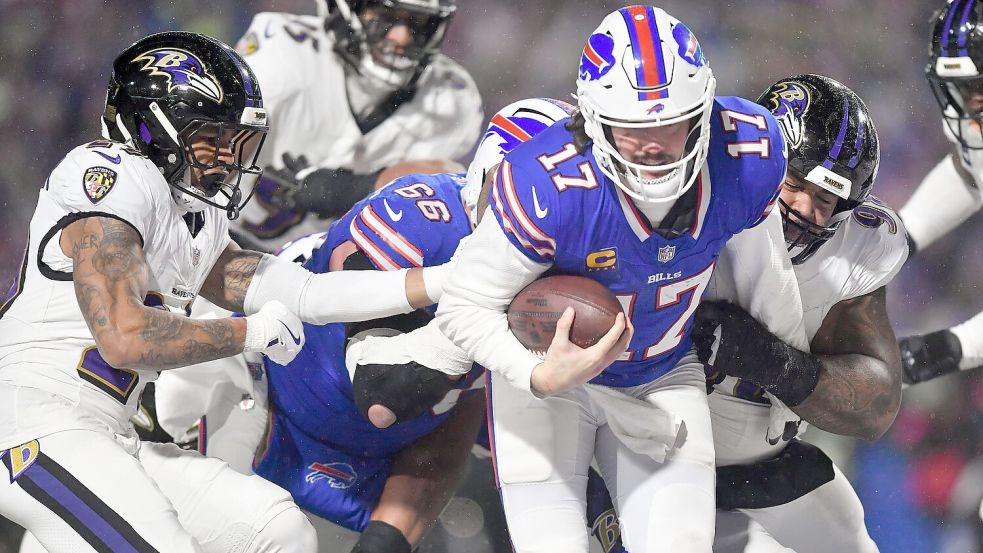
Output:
(325, 192)
(740, 346)
(929, 356)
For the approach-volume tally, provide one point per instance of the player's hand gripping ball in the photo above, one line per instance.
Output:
(534, 311)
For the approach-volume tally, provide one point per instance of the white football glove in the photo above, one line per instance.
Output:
(275, 332)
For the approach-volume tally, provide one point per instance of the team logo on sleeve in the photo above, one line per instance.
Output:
(180, 68)
(789, 102)
(248, 44)
(689, 47)
(598, 57)
(97, 182)
(337, 475)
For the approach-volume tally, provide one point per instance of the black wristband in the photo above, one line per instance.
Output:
(798, 378)
(381, 537)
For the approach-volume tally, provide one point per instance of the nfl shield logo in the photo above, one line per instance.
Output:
(666, 253)
(196, 255)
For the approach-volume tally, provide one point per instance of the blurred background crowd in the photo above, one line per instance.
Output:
(921, 484)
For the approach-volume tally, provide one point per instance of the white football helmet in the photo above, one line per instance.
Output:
(643, 68)
(509, 127)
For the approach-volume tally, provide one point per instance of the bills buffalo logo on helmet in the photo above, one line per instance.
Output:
(689, 47)
(337, 475)
(180, 68)
(97, 182)
(789, 102)
(598, 57)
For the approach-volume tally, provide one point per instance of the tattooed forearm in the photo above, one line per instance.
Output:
(859, 388)
(229, 280)
(92, 305)
(111, 280)
(189, 342)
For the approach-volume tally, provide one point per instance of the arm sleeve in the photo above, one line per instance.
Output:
(763, 280)
(321, 298)
(426, 345)
(471, 313)
(941, 202)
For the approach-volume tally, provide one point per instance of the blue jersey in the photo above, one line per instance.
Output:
(415, 221)
(556, 206)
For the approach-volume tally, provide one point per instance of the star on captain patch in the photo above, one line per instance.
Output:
(97, 182)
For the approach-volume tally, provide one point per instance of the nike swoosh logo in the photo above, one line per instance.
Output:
(296, 339)
(394, 215)
(540, 212)
(111, 159)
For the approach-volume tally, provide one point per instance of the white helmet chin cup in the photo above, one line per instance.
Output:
(643, 68)
(188, 203)
(388, 76)
(509, 127)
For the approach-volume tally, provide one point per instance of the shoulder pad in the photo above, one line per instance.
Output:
(276, 44)
(875, 241)
(525, 195)
(415, 221)
(109, 180)
(748, 152)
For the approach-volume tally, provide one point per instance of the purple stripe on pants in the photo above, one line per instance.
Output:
(74, 504)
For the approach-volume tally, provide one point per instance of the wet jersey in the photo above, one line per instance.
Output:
(44, 340)
(415, 221)
(864, 255)
(557, 207)
(304, 92)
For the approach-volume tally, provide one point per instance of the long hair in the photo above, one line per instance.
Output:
(576, 127)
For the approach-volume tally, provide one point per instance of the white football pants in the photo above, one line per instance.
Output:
(655, 452)
(82, 490)
(830, 518)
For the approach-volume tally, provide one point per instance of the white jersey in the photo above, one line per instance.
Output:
(304, 92)
(864, 255)
(45, 343)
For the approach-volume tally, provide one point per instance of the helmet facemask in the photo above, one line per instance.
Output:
(965, 122)
(368, 49)
(666, 180)
(204, 161)
(218, 157)
(802, 236)
(954, 69)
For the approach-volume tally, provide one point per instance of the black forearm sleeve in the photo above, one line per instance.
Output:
(332, 192)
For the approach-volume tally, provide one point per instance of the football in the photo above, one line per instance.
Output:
(533, 313)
